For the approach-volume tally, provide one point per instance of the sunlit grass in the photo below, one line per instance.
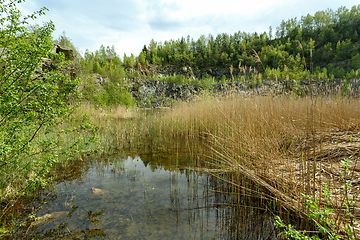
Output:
(283, 145)
(267, 147)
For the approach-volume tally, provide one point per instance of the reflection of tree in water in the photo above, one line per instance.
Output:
(172, 153)
(206, 206)
(62, 230)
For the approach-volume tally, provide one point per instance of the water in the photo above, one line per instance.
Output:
(141, 197)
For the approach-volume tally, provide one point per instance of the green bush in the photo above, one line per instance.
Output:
(114, 93)
(32, 103)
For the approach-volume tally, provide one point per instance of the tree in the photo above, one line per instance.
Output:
(64, 40)
(141, 58)
(31, 101)
(355, 36)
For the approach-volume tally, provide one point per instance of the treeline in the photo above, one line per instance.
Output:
(322, 46)
(326, 43)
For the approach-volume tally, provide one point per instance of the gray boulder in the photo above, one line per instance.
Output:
(68, 52)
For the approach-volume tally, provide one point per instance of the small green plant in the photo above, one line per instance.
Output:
(346, 88)
(348, 204)
(322, 216)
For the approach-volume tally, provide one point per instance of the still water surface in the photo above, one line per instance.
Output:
(142, 197)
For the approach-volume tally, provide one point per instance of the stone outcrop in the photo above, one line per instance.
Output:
(163, 71)
(49, 64)
(151, 93)
(67, 51)
(101, 79)
(154, 93)
(188, 72)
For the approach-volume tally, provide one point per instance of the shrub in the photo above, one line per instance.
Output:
(32, 102)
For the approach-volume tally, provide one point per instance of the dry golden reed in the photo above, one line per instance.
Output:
(285, 145)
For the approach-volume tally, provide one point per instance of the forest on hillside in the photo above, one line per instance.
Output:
(325, 45)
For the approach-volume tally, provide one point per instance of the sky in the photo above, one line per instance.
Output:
(131, 24)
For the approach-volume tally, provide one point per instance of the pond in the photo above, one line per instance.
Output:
(141, 196)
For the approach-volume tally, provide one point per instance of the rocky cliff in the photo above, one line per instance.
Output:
(72, 69)
(188, 72)
(151, 93)
(154, 93)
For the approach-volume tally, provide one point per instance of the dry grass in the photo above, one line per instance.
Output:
(286, 146)
(99, 114)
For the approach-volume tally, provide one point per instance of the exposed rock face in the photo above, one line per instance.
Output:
(68, 52)
(162, 71)
(188, 72)
(101, 79)
(151, 93)
(49, 64)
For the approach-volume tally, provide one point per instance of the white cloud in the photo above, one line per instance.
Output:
(129, 24)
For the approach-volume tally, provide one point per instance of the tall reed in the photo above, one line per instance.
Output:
(268, 147)
(289, 146)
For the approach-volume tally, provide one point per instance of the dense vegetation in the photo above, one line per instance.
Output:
(327, 40)
(325, 45)
(34, 103)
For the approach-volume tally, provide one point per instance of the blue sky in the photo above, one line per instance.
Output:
(129, 24)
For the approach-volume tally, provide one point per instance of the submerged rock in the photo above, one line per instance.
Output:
(96, 190)
(98, 193)
(49, 217)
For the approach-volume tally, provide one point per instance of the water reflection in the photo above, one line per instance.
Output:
(123, 198)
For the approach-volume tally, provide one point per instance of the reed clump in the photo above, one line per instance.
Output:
(289, 147)
(269, 147)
